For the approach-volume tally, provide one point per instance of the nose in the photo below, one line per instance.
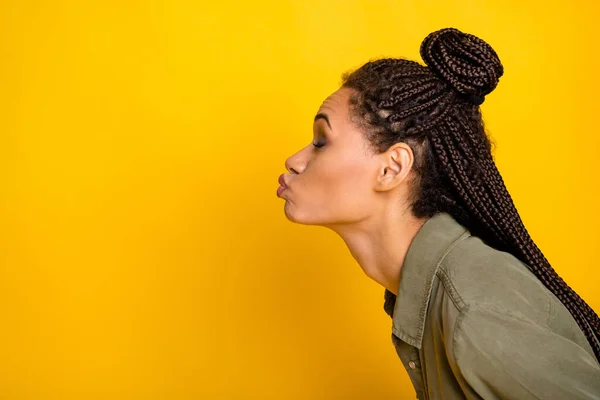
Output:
(296, 163)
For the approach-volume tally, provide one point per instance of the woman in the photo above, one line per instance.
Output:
(401, 168)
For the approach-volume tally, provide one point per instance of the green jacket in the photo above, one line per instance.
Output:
(472, 322)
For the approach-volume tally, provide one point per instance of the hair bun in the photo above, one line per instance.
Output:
(467, 63)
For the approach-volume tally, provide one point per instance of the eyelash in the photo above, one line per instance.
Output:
(318, 145)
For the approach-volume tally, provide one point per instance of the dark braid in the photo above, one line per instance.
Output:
(435, 109)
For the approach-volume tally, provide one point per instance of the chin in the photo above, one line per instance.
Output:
(298, 217)
(294, 217)
(303, 218)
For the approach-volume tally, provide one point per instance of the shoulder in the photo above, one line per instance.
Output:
(476, 274)
(497, 352)
(491, 288)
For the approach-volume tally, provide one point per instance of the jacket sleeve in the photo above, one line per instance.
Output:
(499, 356)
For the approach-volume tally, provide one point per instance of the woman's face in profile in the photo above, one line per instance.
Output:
(331, 180)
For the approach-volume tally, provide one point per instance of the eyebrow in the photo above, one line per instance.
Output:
(325, 117)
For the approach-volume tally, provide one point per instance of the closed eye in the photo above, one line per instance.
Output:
(319, 144)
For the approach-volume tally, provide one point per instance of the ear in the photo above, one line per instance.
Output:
(396, 164)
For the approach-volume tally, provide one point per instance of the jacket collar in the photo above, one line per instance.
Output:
(433, 241)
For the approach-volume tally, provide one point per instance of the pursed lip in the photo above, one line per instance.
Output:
(282, 180)
(282, 185)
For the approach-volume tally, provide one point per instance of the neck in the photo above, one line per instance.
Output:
(379, 244)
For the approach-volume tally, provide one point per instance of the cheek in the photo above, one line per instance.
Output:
(350, 187)
(335, 189)
(331, 176)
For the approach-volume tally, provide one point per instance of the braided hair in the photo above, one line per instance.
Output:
(435, 110)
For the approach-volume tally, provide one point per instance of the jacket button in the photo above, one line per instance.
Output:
(412, 365)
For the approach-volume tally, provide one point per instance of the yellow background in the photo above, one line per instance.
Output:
(144, 254)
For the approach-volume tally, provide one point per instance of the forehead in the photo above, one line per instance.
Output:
(337, 108)
(336, 105)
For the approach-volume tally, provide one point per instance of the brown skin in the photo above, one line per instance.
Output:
(358, 193)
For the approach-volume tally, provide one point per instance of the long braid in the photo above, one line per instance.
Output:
(518, 240)
(435, 110)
